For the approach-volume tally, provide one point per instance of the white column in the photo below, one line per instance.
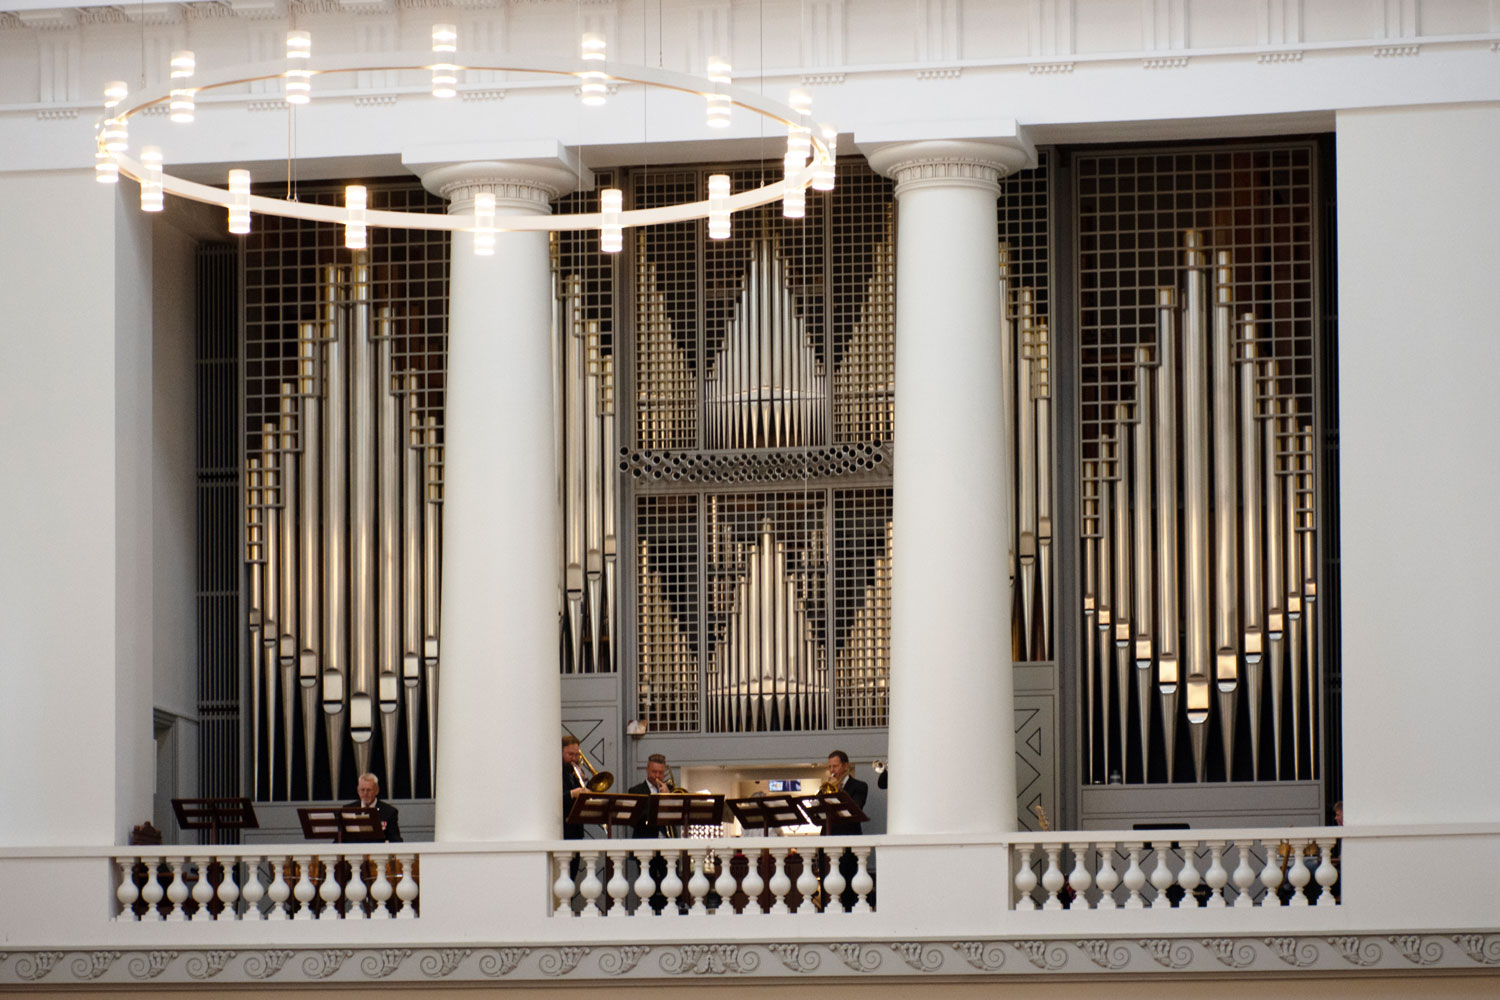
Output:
(500, 696)
(952, 748)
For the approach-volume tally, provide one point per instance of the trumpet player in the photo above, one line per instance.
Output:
(655, 784)
(841, 776)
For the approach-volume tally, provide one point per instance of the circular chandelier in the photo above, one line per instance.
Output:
(809, 160)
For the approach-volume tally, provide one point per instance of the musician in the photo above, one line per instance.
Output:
(368, 789)
(842, 775)
(655, 784)
(572, 785)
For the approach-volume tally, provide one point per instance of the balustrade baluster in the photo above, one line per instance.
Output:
(153, 891)
(1135, 879)
(591, 887)
(781, 884)
(229, 892)
(1217, 876)
(1107, 878)
(697, 881)
(355, 891)
(1298, 875)
(1270, 876)
(407, 889)
(1188, 877)
(645, 885)
(807, 880)
(1052, 878)
(1078, 879)
(1244, 876)
(834, 883)
(203, 892)
(280, 891)
(303, 891)
(863, 882)
(253, 892)
(177, 891)
(1327, 874)
(381, 890)
(1161, 876)
(127, 892)
(753, 885)
(1025, 881)
(328, 890)
(724, 884)
(618, 886)
(671, 885)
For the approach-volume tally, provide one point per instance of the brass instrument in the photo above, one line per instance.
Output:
(1041, 817)
(597, 781)
(672, 785)
(829, 787)
(878, 767)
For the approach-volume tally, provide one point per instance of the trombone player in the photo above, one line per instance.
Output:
(572, 785)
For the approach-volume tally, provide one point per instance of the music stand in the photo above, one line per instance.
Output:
(215, 814)
(825, 809)
(685, 809)
(342, 824)
(608, 810)
(768, 811)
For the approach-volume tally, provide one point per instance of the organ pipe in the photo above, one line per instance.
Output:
(1168, 627)
(1250, 512)
(1198, 659)
(1225, 497)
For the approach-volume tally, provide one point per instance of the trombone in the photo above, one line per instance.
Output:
(597, 781)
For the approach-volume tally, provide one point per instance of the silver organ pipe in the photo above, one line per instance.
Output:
(362, 611)
(271, 600)
(388, 451)
(290, 599)
(335, 516)
(1007, 406)
(1026, 463)
(309, 500)
(1169, 624)
(1225, 499)
(1245, 547)
(410, 455)
(594, 460)
(1041, 391)
(573, 462)
(432, 465)
(255, 561)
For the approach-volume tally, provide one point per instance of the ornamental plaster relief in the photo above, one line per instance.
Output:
(848, 961)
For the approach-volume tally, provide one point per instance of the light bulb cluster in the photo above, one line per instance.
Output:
(826, 171)
(718, 206)
(354, 204)
(798, 146)
(593, 90)
(113, 137)
(298, 76)
(719, 106)
(611, 235)
(239, 202)
(153, 198)
(180, 100)
(444, 74)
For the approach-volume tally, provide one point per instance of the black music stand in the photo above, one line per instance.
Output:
(214, 815)
(827, 809)
(768, 811)
(608, 810)
(685, 809)
(342, 824)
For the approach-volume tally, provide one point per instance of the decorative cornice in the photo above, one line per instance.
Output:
(103, 15)
(9, 21)
(1397, 51)
(57, 114)
(822, 79)
(57, 19)
(945, 171)
(510, 194)
(482, 95)
(1049, 67)
(945, 73)
(273, 105)
(153, 14)
(1279, 57)
(1165, 62)
(1154, 958)
(374, 100)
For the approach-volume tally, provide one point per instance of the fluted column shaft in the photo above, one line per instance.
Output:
(500, 698)
(952, 751)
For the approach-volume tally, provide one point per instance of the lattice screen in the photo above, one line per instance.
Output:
(862, 607)
(668, 612)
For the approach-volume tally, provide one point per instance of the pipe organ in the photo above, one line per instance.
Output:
(343, 508)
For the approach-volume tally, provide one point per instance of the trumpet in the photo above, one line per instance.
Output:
(878, 767)
(597, 781)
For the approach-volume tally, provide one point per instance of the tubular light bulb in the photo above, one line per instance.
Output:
(106, 170)
(611, 235)
(354, 229)
(827, 170)
(719, 106)
(180, 101)
(114, 92)
(718, 207)
(152, 198)
(239, 202)
(484, 224)
(116, 136)
(298, 77)
(593, 90)
(794, 196)
(444, 75)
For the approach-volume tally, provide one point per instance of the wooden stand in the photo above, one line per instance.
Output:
(342, 824)
(214, 815)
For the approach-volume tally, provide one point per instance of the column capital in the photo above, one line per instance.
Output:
(525, 177)
(948, 163)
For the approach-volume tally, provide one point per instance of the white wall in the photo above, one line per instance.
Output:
(1419, 356)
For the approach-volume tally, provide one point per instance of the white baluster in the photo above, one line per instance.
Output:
(591, 887)
(355, 892)
(1025, 880)
(253, 892)
(1078, 879)
(328, 891)
(618, 886)
(1052, 878)
(1161, 876)
(1107, 878)
(203, 892)
(177, 891)
(1244, 876)
(229, 892)
(753, 885)
(781, 884)
(1217, 876)
(407, 889)
(834, 883)
(562, 886)
(697, 881)
(279, 890)
(807, 881)
(863, 882)
(1298, 875)
(1135, 879)
(671, 884)
(1188, 877)
(127, 892)
(1270, 877)
(152, 892)
(645, 885)
(303, 891)
(724, 885)
(381, 890)
(1327, 874)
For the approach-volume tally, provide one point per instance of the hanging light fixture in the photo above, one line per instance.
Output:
(719, 106)
(354, 229)
(484, 224)
(298, 76)
(798, 145)
(827, 169)
(593, 90)
(611, 236)
(239, 202)
(444, 74)
(153, 198)
(718, 206)
(180, 103)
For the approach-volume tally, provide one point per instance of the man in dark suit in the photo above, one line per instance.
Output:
(655, 784)
(842, 775)
(368, 789)
(572, 785)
